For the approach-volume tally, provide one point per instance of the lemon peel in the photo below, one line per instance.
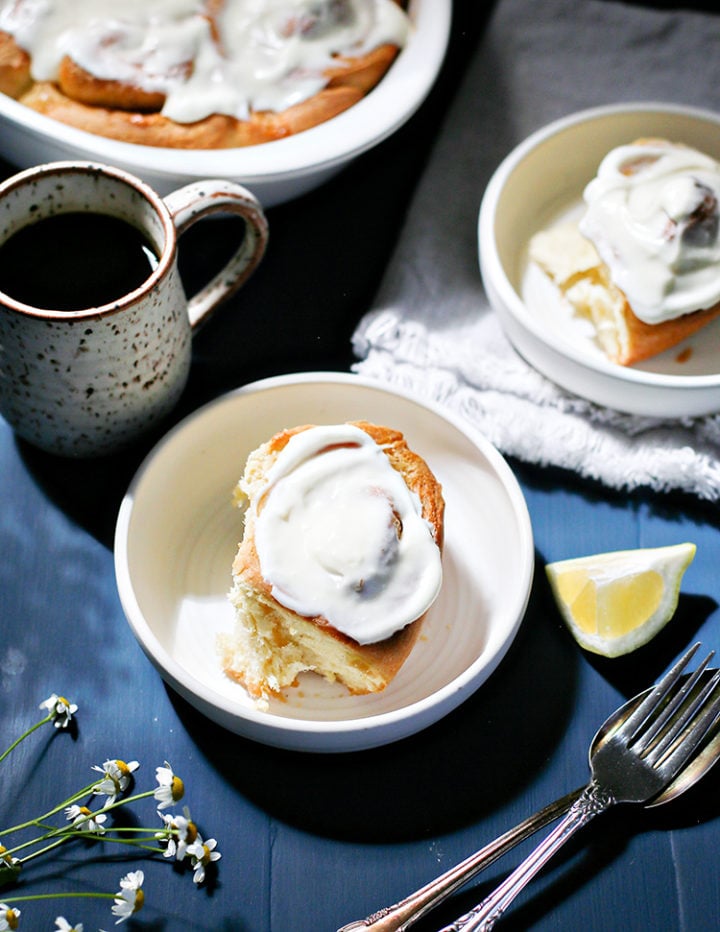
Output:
(615, 602)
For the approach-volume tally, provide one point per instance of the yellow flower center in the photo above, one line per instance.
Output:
(8, 859)
(83, 810)
(191, 833)
(139, 900)
(177, 788)
(12, 917)
(123, 768)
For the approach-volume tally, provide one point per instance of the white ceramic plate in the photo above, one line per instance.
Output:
(177, 533)
(275, 171)
(538, 183)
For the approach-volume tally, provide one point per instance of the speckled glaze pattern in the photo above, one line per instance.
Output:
(90, 382)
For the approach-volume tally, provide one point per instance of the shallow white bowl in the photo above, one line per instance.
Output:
(275, 171)
(542, 180)
(177, 533)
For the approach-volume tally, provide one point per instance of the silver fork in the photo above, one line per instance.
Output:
(635, 764)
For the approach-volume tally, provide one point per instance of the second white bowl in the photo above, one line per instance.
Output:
(542, 179)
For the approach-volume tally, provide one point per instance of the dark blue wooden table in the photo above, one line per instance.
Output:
(310, 842)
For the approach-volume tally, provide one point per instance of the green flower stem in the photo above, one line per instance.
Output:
(128, 799)
(54, 836)
(33, 823)
(48, 718)
(122, 841)
(66, 833)
(58, 896)
(36, 854)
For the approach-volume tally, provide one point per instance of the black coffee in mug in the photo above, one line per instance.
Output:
(75, 260)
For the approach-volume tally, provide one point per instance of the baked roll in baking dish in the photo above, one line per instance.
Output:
(339, 562)
(202, 74)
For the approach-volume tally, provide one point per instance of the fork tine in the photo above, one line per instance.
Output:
(706, 713)
(636, 722)
(671, 710)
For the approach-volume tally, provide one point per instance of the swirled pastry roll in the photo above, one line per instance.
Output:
(196, 73)
(643, 264)
(339, 562)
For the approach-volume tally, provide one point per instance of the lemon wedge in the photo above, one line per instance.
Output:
(615, 602)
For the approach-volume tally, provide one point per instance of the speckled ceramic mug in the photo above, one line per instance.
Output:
(88, 382)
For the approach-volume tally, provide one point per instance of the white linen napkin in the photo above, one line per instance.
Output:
(431, 329)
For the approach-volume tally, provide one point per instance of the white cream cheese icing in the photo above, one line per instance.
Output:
(339, 534)
(652, 215)
(265, 55)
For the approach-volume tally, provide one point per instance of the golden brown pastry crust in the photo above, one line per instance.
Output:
(120, 111)
(14, 67)
(79, 85)
(646, 340)
(574, 266)
(373, 665)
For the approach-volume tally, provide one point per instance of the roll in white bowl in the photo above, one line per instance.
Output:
(543, 179)
(177, 533)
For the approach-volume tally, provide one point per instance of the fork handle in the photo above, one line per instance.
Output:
(592, 801)
(402, 915)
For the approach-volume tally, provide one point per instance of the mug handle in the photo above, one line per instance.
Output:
(200, 199)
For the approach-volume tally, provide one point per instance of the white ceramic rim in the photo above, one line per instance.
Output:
(319, 731)
(393, 101)
(493, 269)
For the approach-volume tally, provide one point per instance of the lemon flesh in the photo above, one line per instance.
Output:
(615, 602)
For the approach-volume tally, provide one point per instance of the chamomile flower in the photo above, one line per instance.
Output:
(9, 917)
(10, 867)
(117, 776)
(178, 839)
(130, 898)
(60, 708)
(180, 832)
(86, 820)
(202, 854)
(64, 926)
(170, 789)
(59, 711)
(8, 861)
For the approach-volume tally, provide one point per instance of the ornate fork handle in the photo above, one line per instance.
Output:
(402, 915)
(593, 800)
